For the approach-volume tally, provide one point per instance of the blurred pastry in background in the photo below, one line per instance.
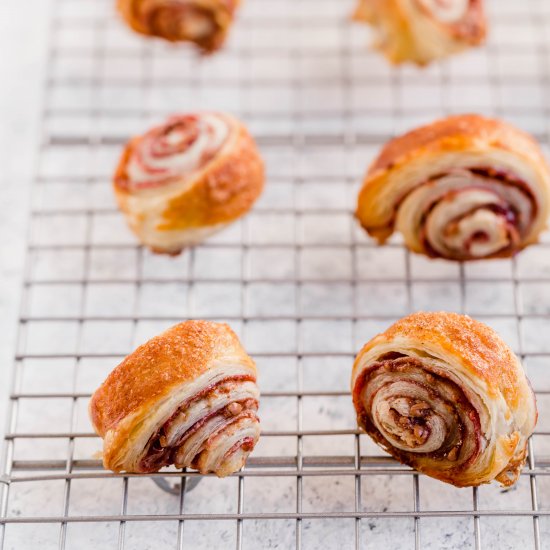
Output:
(204, 22)
(421, 31)
(462, 188)
(444, 394)
(187, 179)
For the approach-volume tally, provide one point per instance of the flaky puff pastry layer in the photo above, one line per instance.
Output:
(204, 22)
(422, 31)
(175, 194)
(186, 397)
(444, 394)
(462, 188)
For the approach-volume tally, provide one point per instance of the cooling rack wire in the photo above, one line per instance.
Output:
(302, 286)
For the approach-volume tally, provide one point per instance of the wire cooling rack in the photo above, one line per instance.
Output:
(296, 279)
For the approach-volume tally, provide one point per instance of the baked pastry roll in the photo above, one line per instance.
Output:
(422, 31)
(204, 22)
(462, 188)
(183, 181)
(187, 397)
(444, 394)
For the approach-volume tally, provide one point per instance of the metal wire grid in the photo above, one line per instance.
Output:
(300, 284)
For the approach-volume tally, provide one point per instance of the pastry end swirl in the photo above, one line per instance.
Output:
(187, 397)
(187, 179)
(462, 188)
(444, 394)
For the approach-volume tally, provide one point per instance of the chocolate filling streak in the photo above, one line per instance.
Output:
(246, 444)
(463, 440)
(510, 214)
(155, 145)
(158, 454)
(186, 127)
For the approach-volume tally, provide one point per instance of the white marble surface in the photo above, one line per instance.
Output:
(22, 65)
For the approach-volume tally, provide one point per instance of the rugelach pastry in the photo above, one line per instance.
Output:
(421, 31)
(444, 394)
(462, 188)
(204, 22)
(187, 397)
(187, 179)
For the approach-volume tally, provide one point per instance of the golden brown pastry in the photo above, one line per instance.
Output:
(182, 181)
(423, 30)
(462, 188)
(444, 394)
(187, 397)
(204, 22)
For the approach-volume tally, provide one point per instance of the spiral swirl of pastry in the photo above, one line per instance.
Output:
(462, 188)
(204, 22)
(188, 178)
(180, 147)
(422, 31)
(187, 397)
(443, 394)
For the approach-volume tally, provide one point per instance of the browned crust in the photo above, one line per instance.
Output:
(222, 12)
(224, 190)
(454, 133)
(457, 134)
(120, 171)
(178, 355)
(478, 346)
(482, 351)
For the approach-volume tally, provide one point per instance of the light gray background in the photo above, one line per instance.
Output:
(22, 65)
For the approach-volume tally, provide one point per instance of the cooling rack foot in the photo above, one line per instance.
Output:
(174, 489)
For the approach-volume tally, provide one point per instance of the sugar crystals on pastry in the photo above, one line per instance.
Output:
(462, 188)
(204, 22)
(422, 31)
(187, 397)
(188, 178)
(444, 394)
